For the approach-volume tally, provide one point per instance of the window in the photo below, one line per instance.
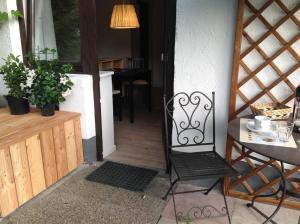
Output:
(56, 26)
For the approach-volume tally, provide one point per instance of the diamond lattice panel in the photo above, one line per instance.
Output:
(266, 68)
(269, 52)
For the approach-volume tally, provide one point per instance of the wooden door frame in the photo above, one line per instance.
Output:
(89, 59)
(169, 58)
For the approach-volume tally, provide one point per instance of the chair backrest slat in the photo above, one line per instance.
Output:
(189, 115)
(136, 63)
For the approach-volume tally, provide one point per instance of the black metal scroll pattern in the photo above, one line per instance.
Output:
(205, 212)
(189, 122)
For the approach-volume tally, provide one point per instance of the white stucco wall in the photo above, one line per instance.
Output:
(4, 35)
(82, 101)
(10, 40)
(204, 52)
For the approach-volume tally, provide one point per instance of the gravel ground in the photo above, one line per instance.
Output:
(76, 200)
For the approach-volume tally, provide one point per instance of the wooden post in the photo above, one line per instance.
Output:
(88, 34)
(234, 79)
(22, 26)
(169, 53)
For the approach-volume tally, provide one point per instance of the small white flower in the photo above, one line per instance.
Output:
(30, 77)
(63, 80)
(29, 82)
(31, 73)
(22, 86)
(67, 93)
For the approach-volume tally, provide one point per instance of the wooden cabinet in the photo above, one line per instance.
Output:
(111, 63)
(35, 152)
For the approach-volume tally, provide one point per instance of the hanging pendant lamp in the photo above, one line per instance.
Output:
(124, 17)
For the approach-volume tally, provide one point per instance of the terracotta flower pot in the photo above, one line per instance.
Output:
(17, 106)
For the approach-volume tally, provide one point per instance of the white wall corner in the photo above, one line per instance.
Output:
(203, 54)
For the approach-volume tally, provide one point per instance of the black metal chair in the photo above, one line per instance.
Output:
(117, 104)
(189, 115)
(139, 63)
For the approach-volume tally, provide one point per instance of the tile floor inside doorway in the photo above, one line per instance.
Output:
(140, 143)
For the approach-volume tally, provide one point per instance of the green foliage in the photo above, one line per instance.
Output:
(4, 16)
(17, 14)
(50, 82)
(67, 32)
(15, 75)
(186, 219)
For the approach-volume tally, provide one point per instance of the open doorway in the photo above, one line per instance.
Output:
(138, 107)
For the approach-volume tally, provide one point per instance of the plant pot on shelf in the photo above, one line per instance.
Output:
(48, 110)
(17, 106)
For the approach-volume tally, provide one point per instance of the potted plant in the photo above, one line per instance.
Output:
(18, 80)
(51, 83)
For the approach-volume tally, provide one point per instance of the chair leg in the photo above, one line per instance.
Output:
(173, 198)
(225, 201)
(149, 98)
(172, 192)
(212, 187)
(170, 188)
(120, 108)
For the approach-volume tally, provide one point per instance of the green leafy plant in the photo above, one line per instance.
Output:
(50, 83)
(17, 14)
(4, 16)
(15, 76)
(185, 219)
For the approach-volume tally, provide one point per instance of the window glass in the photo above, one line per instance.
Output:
(66, 26)
(57, 27)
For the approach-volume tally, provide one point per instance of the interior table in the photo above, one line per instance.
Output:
(130, 75)
(282, 154)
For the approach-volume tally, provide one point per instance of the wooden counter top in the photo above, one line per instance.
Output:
(14, 128)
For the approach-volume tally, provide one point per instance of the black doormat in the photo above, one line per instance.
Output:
(124, 176)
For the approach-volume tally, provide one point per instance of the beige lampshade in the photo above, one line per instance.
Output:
(124, 17)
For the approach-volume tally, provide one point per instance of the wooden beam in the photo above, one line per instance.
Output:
(234, 80)
(29, 25)
(168, 64)
(89, 57)
(236, 58)
(22, 27)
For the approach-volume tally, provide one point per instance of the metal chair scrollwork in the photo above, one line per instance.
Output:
(193, 118)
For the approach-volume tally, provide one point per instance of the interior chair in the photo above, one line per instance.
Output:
(117, 104)
(191, 154)
(139, 63)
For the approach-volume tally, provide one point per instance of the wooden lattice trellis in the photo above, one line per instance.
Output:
(265, 68)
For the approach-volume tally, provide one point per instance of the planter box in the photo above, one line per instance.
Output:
(35, 152)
